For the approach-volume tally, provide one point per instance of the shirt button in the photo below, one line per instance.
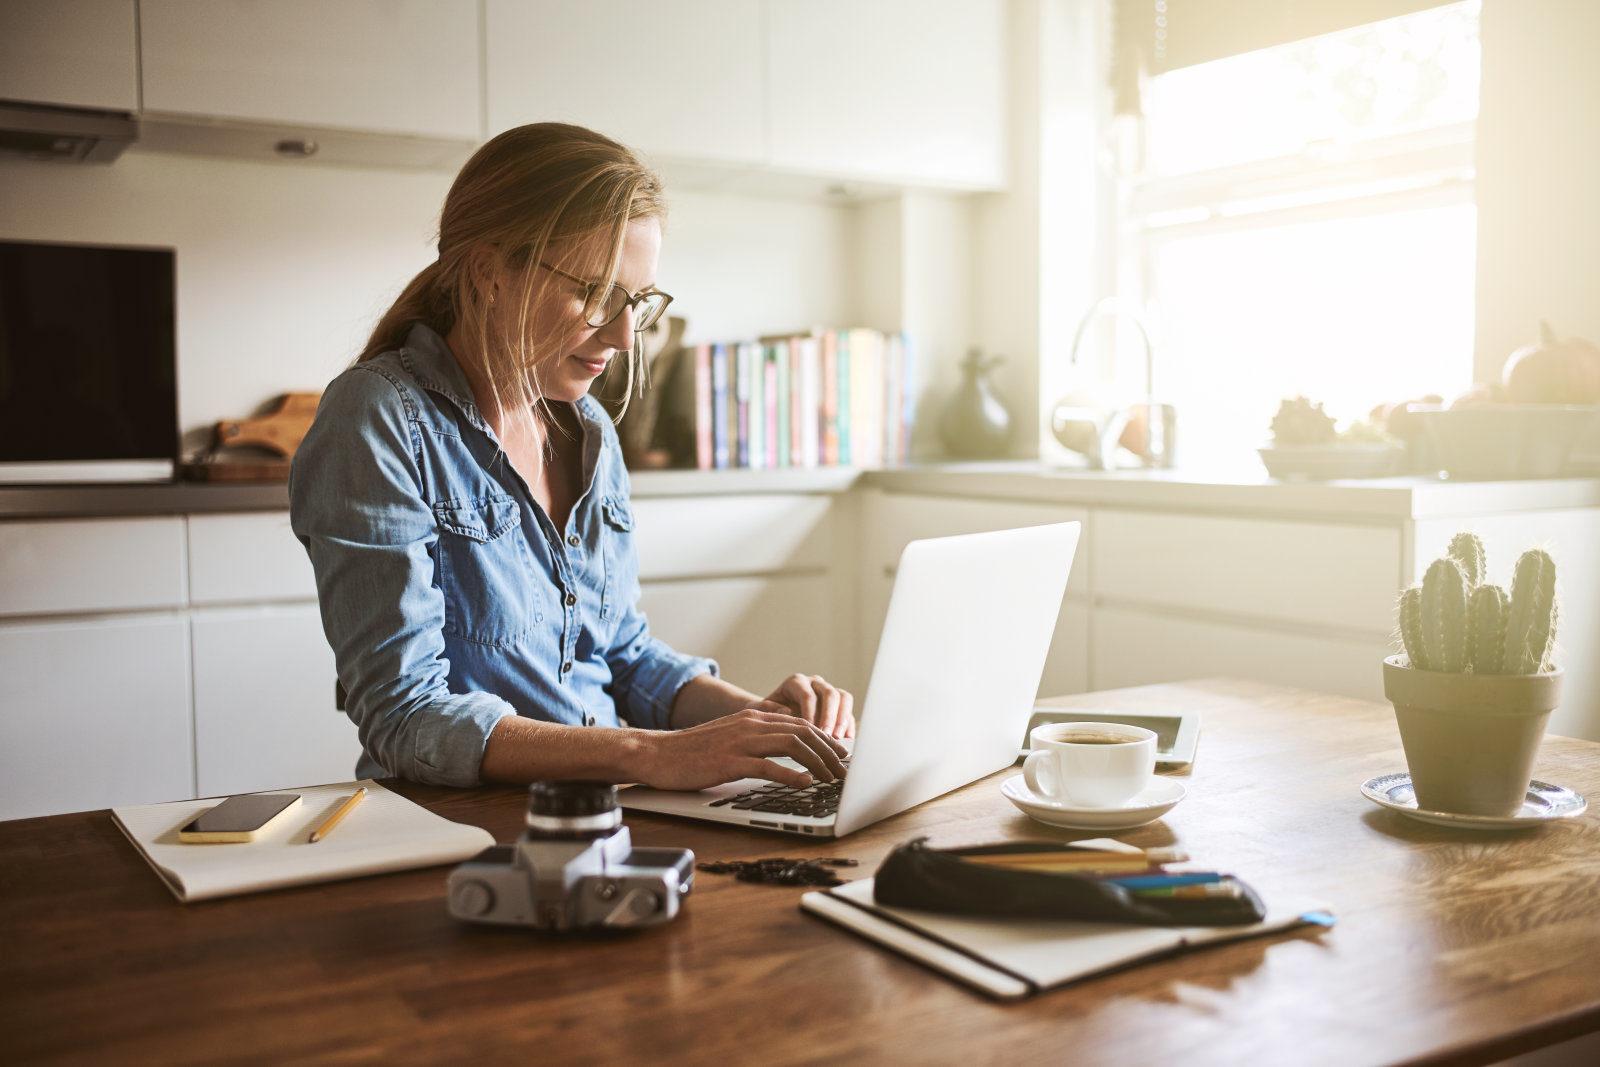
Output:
(567, 666)
(588, 720)
(573, 540)
(571, 599)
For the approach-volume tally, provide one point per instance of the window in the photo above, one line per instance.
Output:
(1300, 220)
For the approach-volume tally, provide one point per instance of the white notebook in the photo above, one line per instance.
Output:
(1014, 958)
(385, 832)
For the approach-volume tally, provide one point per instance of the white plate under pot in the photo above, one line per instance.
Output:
(1154, 801)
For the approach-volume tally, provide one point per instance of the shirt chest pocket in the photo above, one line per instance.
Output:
(491, 586)
(621, 566)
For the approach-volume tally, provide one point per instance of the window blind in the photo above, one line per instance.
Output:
(1154, 36)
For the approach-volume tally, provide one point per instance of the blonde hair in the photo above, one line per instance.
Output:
(544, 187)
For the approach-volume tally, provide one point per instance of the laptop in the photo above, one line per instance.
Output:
(964, 644)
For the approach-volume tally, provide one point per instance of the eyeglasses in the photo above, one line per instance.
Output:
(647, 306)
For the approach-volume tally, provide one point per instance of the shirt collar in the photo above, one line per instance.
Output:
(428, 359)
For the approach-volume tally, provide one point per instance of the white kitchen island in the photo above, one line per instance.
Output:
(163, 642)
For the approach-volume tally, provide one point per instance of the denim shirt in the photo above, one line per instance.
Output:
(447, 593)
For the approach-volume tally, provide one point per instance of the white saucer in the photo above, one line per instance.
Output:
(1157, 798)
(1544, 803)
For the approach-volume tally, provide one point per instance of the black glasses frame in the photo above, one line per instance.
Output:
(633, 301)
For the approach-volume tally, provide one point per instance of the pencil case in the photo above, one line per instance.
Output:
(930, 879)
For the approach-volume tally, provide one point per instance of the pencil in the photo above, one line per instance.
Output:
(333, 820)
(1208, 891)
(1082, 857)
(1127, 866)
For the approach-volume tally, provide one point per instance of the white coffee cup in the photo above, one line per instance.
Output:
(1090, 764)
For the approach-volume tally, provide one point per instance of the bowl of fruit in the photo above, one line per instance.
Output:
(1527, 425)
(1307, 444)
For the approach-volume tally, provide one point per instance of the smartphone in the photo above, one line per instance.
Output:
(240, 818)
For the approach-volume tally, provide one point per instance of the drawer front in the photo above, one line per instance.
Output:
(1312, 574)
(90, 565)
(693, 537)
(247, 557)
(897, 520)
(759, 630)
(263, 702)
(94, 713)
(1143, 648)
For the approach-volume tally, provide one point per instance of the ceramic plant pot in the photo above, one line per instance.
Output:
(1470, 739)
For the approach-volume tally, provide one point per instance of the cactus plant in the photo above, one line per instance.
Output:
(1531, 615)
(1411, 627)
(1454, 623)
(1467, 549)
(1444, 616)
(1487, 634)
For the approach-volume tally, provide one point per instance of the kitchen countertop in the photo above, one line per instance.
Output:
(1378, 500)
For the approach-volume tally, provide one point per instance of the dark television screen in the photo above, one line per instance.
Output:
(88, 364)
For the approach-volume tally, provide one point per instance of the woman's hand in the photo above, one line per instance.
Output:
(813, 699)
(739, 746)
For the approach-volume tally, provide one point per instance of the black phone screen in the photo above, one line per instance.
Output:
(241, 814)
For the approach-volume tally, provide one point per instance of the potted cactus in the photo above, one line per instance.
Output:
(1476, 684)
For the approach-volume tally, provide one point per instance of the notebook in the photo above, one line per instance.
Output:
(385, 832)
(1014, 958)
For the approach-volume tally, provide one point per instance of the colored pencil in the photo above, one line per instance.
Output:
(1154, 881)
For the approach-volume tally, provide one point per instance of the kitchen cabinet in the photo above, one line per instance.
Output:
(263, 701)
(70, 53)
(408, 67)
(888, 90)
(249, 556)
(1306, 573)
(677, 79)
(758, 629)
(1140, 647)
(94, 713)
(82, 565)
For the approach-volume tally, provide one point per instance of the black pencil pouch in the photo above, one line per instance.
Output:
(916, 876)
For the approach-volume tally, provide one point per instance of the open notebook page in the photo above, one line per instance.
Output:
(385, 832)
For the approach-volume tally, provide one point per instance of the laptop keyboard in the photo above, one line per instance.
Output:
(818, 800)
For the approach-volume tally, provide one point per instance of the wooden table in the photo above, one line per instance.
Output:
(1450, 946)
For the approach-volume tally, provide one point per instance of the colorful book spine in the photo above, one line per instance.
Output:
(721, 449)
(828, 424)
(778, 396)
(704, 456)
(843, 418)
(742, 387)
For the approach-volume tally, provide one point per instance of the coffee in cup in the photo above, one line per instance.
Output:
(1090, 764)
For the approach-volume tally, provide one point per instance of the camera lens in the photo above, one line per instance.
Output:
(572, 809)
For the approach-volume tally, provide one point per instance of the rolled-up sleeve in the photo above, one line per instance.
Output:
(648, 672)
(356, 504)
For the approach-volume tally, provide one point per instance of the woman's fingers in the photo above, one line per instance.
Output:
(788, 721)
(802, 698)
(827, 704)
(846, 726)
(773, 772)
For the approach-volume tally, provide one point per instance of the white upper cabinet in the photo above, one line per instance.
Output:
(676, 79)
(388, 66)
(891, 90)
(74, 53)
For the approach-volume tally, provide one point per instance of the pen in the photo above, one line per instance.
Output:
(1160, 881)
(1210, 891)
(333, 820)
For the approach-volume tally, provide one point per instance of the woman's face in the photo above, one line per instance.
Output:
(586, 350)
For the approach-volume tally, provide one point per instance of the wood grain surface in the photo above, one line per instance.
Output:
(1451, 946)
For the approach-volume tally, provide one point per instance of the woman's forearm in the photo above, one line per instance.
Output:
(522, 750)
(706, 697)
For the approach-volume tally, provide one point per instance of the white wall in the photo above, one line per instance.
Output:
(283, 268)
(1538, 185)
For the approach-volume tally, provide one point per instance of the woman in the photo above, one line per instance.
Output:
(465, 507)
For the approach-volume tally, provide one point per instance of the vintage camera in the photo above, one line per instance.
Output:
(574, 868)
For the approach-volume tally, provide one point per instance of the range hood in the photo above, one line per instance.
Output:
(73, 135)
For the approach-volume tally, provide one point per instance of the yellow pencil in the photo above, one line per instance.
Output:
(333, 820)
